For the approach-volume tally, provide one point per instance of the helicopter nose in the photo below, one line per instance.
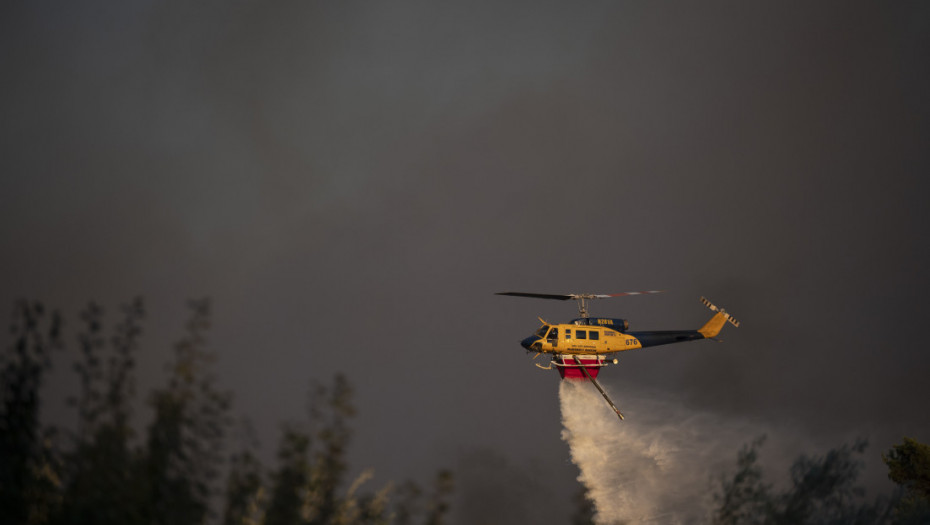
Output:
(526, 343)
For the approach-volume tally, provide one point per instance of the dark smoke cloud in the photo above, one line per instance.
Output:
(351, 183)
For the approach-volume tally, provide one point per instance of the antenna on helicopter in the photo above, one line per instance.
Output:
(580, 297)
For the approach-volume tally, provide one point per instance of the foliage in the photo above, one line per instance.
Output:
(909, 467)
(312, 465)
(408, 498)
(245, 493)
(439, 503)
(823, 490)
(28, 472)
(745, 498)
(101, 473)
(184, 442)
(98, 485)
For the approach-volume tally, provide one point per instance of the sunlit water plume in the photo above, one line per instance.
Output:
(661, 465)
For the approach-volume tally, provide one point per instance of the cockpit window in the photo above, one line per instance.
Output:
(553, 334)
(542, 331)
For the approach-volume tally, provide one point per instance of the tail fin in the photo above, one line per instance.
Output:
(713, 327)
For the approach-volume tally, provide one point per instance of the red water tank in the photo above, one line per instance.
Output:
(569, 369)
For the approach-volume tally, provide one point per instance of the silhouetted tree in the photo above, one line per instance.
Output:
(29, 470)
(291, 502)
(823, 491)
(245, 491)
(407, 503)
(745, 498)
(102, 475)
(99, 483)
(409, 507)
(438, 506)
(183, 451)
(312, 465)
(369, 509)
(330, 411)
(909, 467)
(306, 486)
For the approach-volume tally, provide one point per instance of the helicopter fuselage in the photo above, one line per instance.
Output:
(587, 335)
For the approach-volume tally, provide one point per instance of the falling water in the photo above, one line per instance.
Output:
(660, 465)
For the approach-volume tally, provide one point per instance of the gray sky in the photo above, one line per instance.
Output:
(351, 182)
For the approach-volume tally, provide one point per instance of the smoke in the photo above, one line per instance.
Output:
(662, 464)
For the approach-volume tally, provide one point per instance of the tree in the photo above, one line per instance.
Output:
(245, 491)
(99, 485)
(909, 467)
(103, 474)
(330, 412)
(745, 498)
(407, 503)
(183, 452)
(29, 474)
(823, 490)
(439, 503)
(312, 464)
(291, 501)
(306, 486)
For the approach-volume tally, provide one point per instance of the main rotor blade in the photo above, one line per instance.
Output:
(538, 295)
(565, 297)
(630, 293)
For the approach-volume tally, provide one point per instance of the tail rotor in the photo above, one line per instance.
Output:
(727, 316)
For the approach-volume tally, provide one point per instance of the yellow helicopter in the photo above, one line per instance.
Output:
(580, 347)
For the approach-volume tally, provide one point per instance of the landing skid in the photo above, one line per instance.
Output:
(598, 386)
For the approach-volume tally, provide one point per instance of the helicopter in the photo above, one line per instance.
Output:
(579, 348)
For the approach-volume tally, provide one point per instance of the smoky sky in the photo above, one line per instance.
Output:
(351, 182)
